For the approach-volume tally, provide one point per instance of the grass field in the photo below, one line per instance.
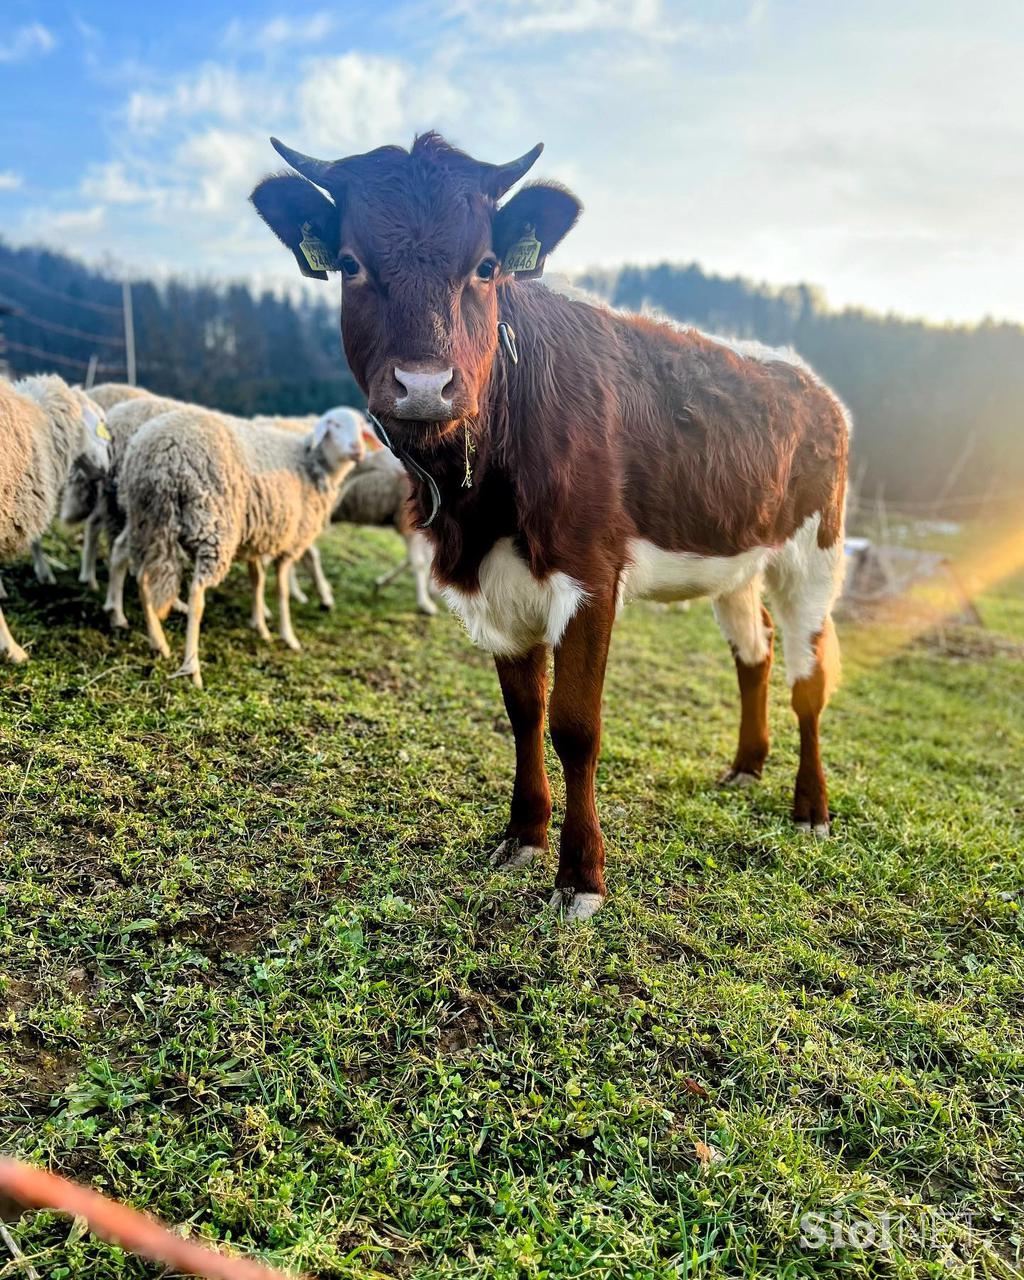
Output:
(258, 977)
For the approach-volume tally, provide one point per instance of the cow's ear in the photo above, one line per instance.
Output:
(531, 225)
(302, 218)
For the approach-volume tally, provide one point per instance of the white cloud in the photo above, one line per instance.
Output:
(278, 33)
(67, 221)
(110, 183)
(648, 19)
(213, 90)
(222, 167)
(9, 180)
(33, 38)
(364, 100)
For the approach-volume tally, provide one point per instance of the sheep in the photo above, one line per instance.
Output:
(107, 394)
(124, 421)
(377, 492)
(217, 490)
(85, 498)
(46, 426)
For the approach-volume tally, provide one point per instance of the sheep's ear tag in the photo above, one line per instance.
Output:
(102, 431)
(315, 251)
(523, 258)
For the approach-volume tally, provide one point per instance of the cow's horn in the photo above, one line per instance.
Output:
(499, 177)
(315, 170)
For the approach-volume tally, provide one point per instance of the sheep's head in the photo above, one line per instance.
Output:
(89, 464)
(338, 440)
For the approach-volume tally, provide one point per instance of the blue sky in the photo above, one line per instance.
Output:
(875, 149)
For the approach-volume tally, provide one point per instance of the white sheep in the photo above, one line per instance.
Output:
(45, 426)
(377, 492)
(217, 490)
(124, 421)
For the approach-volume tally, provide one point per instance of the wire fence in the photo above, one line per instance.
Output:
(11, 345)
(102, 307)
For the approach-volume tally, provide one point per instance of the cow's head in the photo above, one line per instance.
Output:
(423, 249)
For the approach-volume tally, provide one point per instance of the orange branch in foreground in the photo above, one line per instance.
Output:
(116, 1223)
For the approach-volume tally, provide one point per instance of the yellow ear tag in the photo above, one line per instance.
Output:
(315, 251)
(523, 255)
(102, 433)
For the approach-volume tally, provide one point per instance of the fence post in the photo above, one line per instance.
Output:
(129, 332)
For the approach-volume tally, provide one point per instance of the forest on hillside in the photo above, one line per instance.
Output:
(938, 411)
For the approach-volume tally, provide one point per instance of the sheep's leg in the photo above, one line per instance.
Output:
(10, 650)
(3, 590)
(258, 618)
(386, 579)
(315, 569)
(295, 590)
(196, 604)
(41, 565)
(90, 551)
(119, 561)
(421, 558)
(157, 639)
(285, 569)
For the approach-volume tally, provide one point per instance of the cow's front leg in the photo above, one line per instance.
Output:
(524, 688)
(576, 732)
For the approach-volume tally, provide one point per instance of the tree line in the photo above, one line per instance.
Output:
(938, 410)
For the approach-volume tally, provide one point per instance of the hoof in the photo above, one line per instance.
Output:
(161, 650)
(739, 779)
(428, 607)
(119, 621)
(187, 669)
(574, 906)
(179, 606)
(820, 830)
(327, 604)
(511, 854)
(91, 582)
(15, 654)
(292, 644)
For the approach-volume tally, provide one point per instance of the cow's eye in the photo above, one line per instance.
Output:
(486, 269)
(350, 266)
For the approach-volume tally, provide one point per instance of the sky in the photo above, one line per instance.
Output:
(873, 149)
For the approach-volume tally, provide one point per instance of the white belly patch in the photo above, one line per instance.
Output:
(513, 610)
(654, 574)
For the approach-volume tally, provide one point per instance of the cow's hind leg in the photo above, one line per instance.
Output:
(803, 584)
(747, 625)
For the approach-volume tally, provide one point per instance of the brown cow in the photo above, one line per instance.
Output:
(575, 458)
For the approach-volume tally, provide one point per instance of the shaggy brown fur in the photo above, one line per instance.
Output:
(611, 431)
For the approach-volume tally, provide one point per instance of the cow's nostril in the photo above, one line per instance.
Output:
(448, 390)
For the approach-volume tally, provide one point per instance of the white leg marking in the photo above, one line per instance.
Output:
(803, 582)
(576, 907)
(511, 854)
(739, 617)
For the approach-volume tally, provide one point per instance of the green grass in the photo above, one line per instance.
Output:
(257, 976)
